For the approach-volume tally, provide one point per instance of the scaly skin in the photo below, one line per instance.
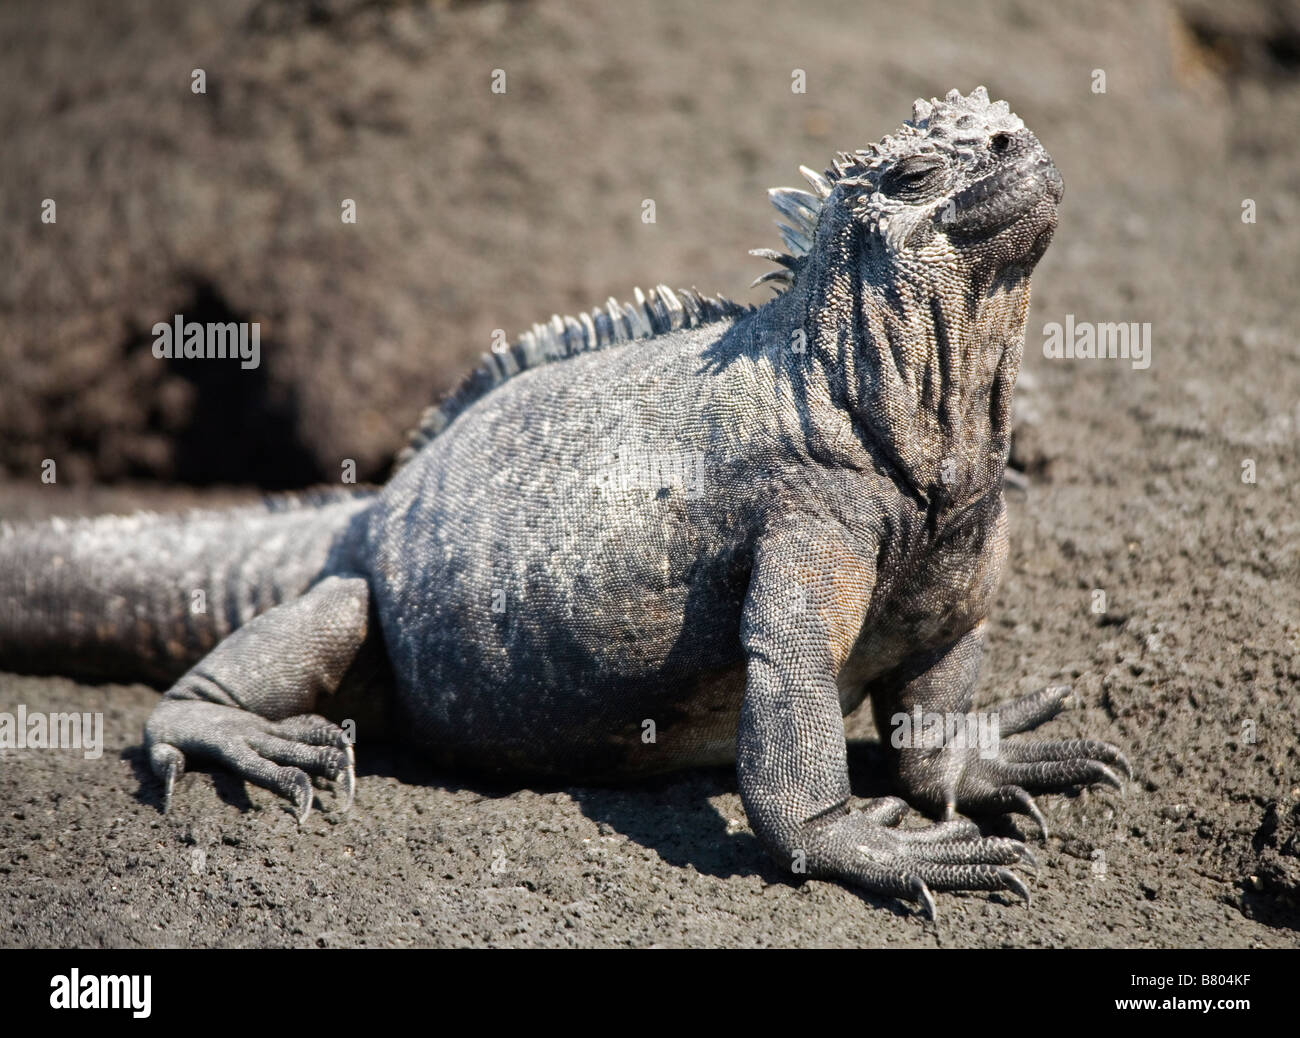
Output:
(725, 526)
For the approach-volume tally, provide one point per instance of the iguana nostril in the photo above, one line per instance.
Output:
(1000, 143)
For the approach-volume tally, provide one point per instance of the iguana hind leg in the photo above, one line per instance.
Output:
(990, 776)
(250, 703)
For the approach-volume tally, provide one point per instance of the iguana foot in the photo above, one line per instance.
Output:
(248, 704)
(280, 755)
(1000, 777)
(867, 849)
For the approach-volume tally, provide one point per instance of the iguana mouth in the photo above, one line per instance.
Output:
(1001, 198)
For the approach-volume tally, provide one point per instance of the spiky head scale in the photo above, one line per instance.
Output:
(956, 129)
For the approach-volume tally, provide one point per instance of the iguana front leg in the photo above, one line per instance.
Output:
(976, 773)
(807, 598)
(249, 704)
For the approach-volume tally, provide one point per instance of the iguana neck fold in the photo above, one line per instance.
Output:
(922, 365)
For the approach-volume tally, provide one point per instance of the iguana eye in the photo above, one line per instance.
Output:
(912, 177)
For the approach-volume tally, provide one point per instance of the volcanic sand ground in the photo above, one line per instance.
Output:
(1136, 483)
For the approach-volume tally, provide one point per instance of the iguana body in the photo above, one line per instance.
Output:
(662, 535)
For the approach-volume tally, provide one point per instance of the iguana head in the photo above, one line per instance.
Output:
(909, 273)
(961, 184)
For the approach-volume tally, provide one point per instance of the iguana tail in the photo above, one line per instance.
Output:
(142, 597)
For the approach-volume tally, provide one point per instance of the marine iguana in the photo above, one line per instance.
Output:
(663, 534)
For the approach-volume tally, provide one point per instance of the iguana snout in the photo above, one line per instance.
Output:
(1021, 183)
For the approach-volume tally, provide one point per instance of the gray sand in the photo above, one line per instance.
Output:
(479, 212)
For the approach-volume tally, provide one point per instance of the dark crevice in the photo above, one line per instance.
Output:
(240, 425)
(1266, 48)
(338, 16)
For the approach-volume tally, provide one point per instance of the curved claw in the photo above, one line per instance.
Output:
(168, 764)
(169, 786)
(1027, 806)
(1014, 883)
(920, 892)
(1109, 778)
(302, 796)
(1027, 856)
(349, 780)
